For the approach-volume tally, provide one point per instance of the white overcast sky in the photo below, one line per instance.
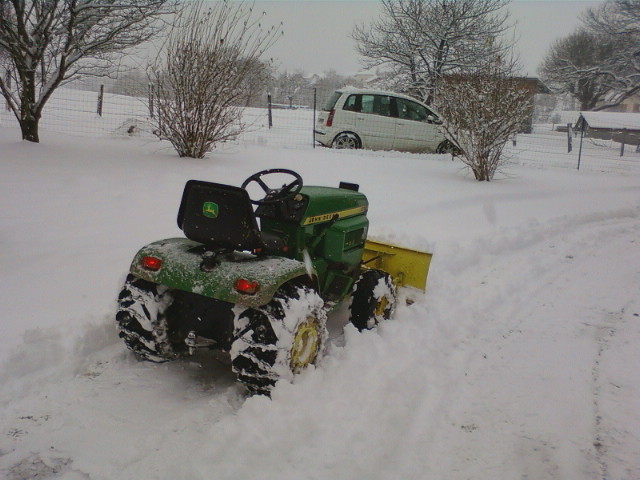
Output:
(316, 32)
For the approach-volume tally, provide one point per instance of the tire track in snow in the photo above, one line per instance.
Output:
(584, 234)
(611, 384)
(603, 333)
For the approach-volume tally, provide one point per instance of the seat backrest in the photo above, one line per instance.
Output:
(219, 216)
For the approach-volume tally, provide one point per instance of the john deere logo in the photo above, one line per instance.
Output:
(210, 209)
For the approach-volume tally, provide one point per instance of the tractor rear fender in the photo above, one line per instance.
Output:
(408, 267)
(238, 277)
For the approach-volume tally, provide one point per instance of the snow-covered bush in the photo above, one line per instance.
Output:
(205, 75)
(481, 112)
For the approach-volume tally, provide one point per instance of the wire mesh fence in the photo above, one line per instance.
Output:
(290, 122)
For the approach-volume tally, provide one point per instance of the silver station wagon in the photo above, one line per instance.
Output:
(377, 120)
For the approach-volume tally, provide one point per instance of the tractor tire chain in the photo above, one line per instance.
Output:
(373, 299)
(256, 360)
(257, 356)
(143, 331)
(254, 363)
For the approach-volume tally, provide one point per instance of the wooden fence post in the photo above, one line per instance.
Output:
(151, 100)
(100, 99)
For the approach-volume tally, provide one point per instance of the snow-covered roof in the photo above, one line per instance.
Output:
(566, 116)
(630, 121)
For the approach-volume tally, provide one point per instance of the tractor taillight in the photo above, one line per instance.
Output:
(247, 287)
(330, 118)
(152, 263)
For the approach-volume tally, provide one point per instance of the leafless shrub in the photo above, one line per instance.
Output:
(207, 74)
(482, 111)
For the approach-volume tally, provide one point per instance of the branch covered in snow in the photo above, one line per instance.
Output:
(570, 64)
(600, 63)
(422, 40)
(618, 21)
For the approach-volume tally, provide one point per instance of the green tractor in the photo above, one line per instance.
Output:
(262, 294)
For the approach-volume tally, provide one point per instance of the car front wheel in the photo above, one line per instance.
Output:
(448, 147)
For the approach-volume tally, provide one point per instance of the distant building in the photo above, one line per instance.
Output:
(534, 87)
(628, 105)
(365, 77)
(619, 127)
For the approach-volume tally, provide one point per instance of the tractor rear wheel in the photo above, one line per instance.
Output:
(141, 319)
(279, 339)
(373, 299)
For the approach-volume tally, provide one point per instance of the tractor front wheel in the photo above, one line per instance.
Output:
(280, 339)
(448, 147)
(373, 299)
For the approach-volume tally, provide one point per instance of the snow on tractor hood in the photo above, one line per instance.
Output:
(177, 263)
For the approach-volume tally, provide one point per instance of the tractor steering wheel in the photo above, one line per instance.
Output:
(274, 195)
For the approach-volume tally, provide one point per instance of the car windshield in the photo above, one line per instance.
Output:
(331, 102)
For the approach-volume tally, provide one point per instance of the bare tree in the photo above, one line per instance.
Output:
(132, 82)
(599, 63)
(258, 81)
(481, 111)
(424, 40)
(50, 42)
(202, 80)
(569, 65)
(618, 24)
(290, 85)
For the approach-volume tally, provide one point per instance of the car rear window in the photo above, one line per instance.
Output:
(332, 101)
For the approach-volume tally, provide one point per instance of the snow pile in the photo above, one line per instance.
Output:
(520, 361)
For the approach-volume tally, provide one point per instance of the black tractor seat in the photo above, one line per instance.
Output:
(221, 217)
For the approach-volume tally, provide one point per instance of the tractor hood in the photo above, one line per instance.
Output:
(326, 202)
(179, 263)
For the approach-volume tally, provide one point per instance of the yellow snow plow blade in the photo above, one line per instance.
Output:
(406, 266)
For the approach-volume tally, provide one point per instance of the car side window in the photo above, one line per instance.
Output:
(376, 105)
(353, 103)
(382, 105)
(367, 103)
(408, 110)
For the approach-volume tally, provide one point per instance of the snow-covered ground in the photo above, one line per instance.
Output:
(520, 361)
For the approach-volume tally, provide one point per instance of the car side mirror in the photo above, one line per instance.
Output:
(433, 119)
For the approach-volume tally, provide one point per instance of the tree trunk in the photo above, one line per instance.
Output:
(481, 168)
(587, 105)
(29, 114)
(29, 129)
